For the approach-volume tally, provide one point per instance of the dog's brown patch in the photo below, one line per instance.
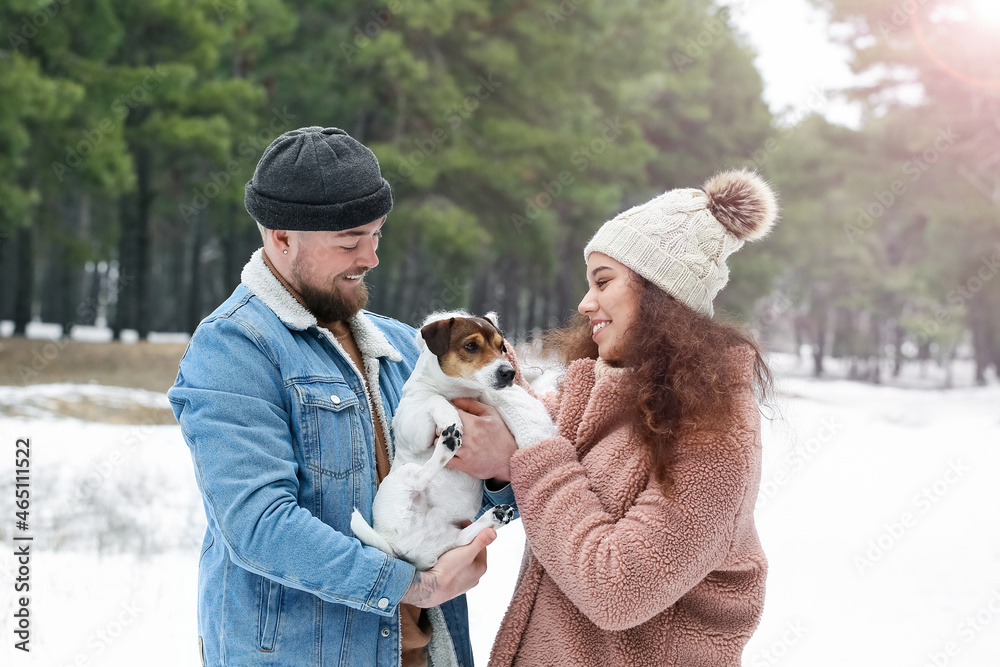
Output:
(463, 345)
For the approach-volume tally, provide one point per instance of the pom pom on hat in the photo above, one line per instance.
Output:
(743, 203)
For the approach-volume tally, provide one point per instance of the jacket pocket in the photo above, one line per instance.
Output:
(270, 612)
(329, 426)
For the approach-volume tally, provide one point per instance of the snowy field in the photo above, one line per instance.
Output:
(878, 513)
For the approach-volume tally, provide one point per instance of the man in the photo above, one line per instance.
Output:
(285, 397)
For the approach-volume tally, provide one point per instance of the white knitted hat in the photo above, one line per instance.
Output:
(680, 240)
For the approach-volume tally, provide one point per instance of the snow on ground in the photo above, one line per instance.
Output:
(878, 515)
(42, 400)
(877, 511)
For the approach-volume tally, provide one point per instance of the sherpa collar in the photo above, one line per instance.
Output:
(259, 280)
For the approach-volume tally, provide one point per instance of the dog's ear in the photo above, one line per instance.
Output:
(437, 335)
(492, 318)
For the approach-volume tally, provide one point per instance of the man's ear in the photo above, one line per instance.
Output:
(282, 239)
(437, 335)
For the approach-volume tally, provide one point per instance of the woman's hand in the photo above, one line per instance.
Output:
(455, 573)
(487, 443)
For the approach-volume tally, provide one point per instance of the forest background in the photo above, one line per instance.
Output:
(510, 132)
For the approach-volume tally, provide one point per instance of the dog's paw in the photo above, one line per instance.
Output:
(503, 514)
(451, 437)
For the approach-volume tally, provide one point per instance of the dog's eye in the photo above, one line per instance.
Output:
(503, 348)
(471, 346)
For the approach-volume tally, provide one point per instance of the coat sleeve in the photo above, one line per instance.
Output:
(621, 573)
(233, 415)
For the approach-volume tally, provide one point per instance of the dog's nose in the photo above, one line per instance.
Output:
(505, 377)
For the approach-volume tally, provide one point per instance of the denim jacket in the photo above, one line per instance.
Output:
(276, 417)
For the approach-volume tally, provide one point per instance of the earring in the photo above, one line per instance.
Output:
(285, 251)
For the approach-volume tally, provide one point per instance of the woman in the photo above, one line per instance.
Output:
(642, 548)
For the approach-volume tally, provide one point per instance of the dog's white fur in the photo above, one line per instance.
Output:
(421, 506)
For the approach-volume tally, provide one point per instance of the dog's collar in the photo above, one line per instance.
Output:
(265, 286)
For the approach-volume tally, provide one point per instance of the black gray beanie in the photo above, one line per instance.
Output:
(317, 179)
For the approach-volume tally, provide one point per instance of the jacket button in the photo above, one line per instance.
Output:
(385, 632)
(335, 399)
(383, 603)
(362, 406)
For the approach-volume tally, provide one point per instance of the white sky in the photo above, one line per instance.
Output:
(796, 58)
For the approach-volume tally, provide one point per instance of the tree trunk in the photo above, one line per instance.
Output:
(949, 361)
(78, 307)
(982, 321)
(144, 268)
(123, 288)
(195, 287)
(25, 285)
(482, 299)
(233, 247)
(534, 287)
(819, 320)
(95, 294)
(511, 291)
(380, 289)
(875, 368)
(844, 343)
(72, 218)
(568, 291)
(993, 342)
(69, 282)
(8, 276)
(800, 323)
(410, 310)
(900, 338)
(924, 355)
(390, 280)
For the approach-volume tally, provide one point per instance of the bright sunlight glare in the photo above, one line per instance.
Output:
(988, 10)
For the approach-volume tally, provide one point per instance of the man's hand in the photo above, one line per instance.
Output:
(487, 443)
(455, 572)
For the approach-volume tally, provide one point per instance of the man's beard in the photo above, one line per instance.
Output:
(330, 305)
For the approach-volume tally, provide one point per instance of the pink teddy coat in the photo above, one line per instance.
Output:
(617, 572)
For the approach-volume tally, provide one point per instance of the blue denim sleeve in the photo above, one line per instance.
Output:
(231, 406)
(502, 496)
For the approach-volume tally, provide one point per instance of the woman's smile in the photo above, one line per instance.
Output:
(609, 300)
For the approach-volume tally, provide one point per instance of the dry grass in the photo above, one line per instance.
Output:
(151, 366)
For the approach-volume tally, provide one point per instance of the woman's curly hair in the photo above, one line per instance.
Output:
(680, 378)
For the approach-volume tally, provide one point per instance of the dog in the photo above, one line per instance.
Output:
(423, 509)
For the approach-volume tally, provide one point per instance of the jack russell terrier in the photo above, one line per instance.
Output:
(422, 509)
